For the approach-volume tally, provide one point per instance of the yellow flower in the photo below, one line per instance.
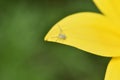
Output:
(93, 32)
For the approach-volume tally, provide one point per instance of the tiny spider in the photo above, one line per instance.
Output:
(61, 35)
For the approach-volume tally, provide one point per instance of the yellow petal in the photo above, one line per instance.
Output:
(113, 70)
(109, 7)
(87, 31)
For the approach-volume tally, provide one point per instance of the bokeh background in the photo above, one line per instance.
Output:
(24, 55)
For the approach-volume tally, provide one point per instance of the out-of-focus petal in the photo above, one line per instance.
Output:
(110, 8)
(113, 70)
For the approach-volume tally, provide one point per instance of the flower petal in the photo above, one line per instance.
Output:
(87, 31)
(109, 7)
(113, 70)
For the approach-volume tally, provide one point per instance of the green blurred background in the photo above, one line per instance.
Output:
(24, 55)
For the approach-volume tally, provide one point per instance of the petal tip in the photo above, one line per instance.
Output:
(46, 37)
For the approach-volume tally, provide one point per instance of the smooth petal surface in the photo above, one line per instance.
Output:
(87, 31)
(110, 8)
(113, 70)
